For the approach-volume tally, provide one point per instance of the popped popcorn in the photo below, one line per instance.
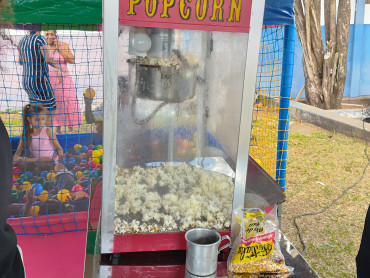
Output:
(171, 198)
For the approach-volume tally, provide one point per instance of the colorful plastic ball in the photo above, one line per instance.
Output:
(100, 160)
(19, 180)
(95, 148)
(100, 172)
(15, 186)
(69, 155)
(76, 188)
(85, 183)
(77, 153)
(100, 147)
(16, 176)
(89, 153)
(47, 185)
(37, 188)
(22, 177)
(70, 165)
(77, 147)
(72, 160)
(82, 178)
(83, 156)
(44, 195)
(26, 185)
(95, 154)
(84, 149)
(14, 198)
(86, 173)
(96, 161)
(89, 93)
(44, 174)
(99, 166)
(83, 161)
(16, 170)
(78, 174)
(28, 175)
(83, 169)
(34, 211)
(76, 169)
(40, 180)
(77, 158)
(94, 174)
(50, 176)
(63, 195)
(91, 164)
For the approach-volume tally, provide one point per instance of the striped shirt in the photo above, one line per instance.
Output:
(35, 76)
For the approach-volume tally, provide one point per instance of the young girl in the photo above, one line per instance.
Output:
(68, 111)
(38, 141)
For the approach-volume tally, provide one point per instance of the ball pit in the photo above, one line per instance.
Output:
(85, 162)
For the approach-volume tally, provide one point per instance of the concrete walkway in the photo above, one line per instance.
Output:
(329, 120)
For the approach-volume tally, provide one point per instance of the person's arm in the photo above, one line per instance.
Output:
(66, 52)
(19, 150)
(46, 54)
(18, 60)
(27, 207)
(52, 136)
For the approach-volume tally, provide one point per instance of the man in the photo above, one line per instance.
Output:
(35, 78)
(11, 265)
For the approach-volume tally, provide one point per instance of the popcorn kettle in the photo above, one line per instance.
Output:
(159, 72)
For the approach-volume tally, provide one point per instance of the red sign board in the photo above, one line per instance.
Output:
(209, 15)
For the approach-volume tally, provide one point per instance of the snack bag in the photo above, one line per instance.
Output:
(256, 252)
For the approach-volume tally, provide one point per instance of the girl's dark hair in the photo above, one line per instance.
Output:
(29, 110)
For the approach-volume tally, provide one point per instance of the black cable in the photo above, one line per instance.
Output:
(340, 196)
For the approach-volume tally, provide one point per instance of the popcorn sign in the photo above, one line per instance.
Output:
(208, 15)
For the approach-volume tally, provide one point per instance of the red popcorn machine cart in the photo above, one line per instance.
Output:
(179, 95)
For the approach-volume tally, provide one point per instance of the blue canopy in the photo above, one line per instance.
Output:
(279, 12)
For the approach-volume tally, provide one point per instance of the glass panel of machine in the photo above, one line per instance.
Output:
(179, 106)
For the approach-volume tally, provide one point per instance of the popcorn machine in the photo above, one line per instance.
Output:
(177, 130)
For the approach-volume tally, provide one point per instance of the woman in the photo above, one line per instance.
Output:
(68, 111)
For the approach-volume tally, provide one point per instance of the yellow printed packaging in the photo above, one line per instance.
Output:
(254, 248)
(256, 251)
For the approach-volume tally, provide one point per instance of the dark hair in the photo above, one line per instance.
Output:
(29, 110)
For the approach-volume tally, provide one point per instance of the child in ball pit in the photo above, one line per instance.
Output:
(64, 179)
(38, 141)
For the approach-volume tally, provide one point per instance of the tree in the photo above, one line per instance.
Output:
(325, 69)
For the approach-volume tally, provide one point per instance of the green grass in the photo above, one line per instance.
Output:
(332, 238)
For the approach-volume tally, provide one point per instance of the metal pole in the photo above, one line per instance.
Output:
(110, 48)
(286, 84)
(249, 86)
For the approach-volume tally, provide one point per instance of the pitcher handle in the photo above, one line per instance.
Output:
(226, 245)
